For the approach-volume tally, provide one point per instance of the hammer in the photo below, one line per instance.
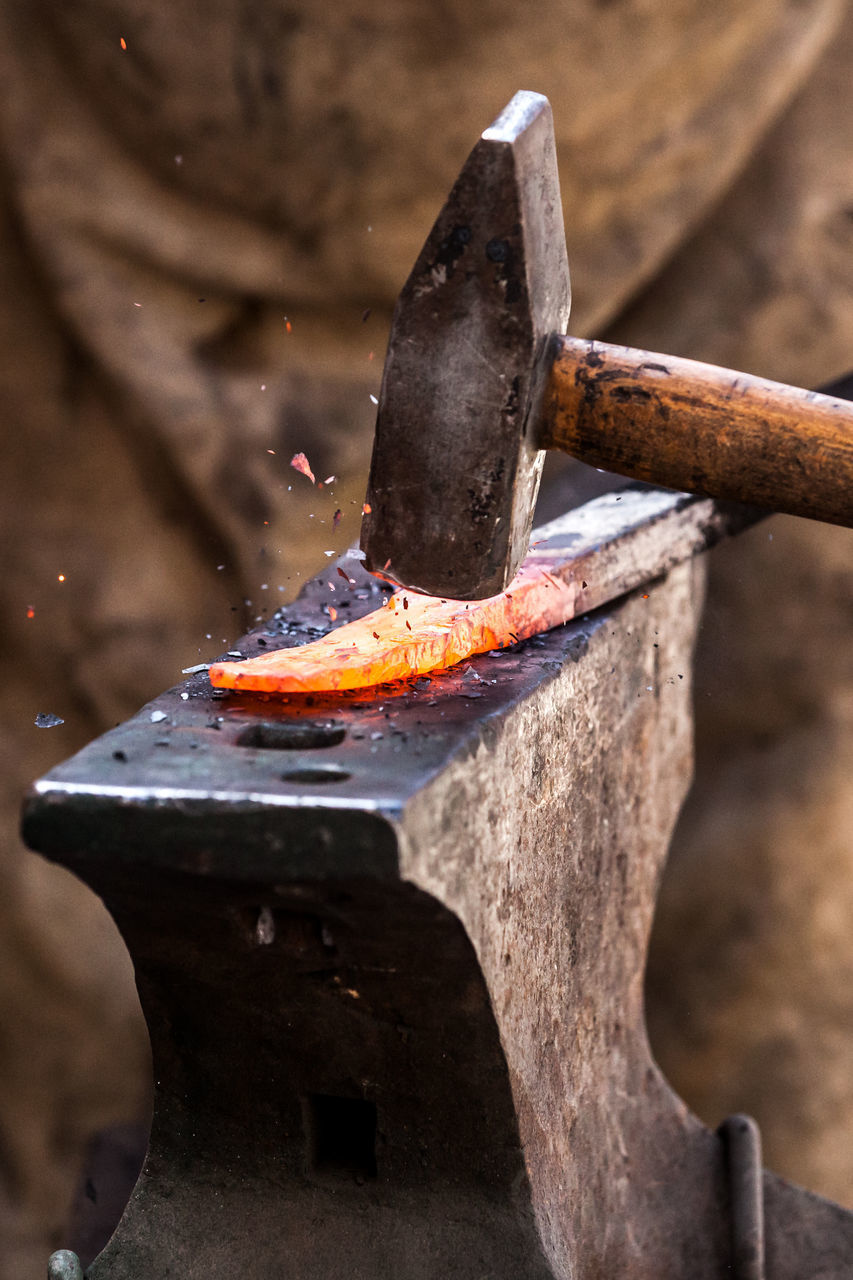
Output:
(480, 378)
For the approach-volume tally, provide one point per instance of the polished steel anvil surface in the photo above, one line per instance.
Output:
(390, 947)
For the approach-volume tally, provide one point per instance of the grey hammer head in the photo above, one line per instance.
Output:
(455, 473)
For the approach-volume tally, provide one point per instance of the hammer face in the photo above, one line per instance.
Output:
(455, 472)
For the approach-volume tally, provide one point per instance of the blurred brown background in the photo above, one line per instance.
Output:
(167, 209)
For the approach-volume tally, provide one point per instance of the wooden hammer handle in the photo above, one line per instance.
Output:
(699, 428)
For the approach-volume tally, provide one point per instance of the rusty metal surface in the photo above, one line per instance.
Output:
(455, 474)
(394, 982)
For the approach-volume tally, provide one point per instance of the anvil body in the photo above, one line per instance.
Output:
(390, 947)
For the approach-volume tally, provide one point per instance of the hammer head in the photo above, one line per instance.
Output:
(455, 471)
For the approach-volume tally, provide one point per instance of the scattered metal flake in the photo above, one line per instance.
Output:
(300, 463)
(47, 720)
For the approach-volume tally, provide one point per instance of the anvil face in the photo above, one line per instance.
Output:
(308, 784)
(390, 948)
(326, 775)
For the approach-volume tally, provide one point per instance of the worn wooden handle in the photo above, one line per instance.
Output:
(695, 427)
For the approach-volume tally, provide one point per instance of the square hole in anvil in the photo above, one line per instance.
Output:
(340, 1135)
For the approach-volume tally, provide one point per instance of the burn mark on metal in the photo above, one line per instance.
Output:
(449, 252)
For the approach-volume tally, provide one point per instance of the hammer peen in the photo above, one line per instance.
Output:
(480, 378)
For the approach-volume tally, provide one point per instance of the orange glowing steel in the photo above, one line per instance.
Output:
(410, 635)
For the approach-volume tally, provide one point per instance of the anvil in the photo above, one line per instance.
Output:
(390, 948)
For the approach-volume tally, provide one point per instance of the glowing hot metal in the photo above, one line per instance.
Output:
(409, 636)
(577, 563)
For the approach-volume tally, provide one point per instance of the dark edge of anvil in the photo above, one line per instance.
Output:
(182, 795)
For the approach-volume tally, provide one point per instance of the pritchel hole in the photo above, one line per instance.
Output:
(317, 776)
(341, 1135)
(298, 735)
